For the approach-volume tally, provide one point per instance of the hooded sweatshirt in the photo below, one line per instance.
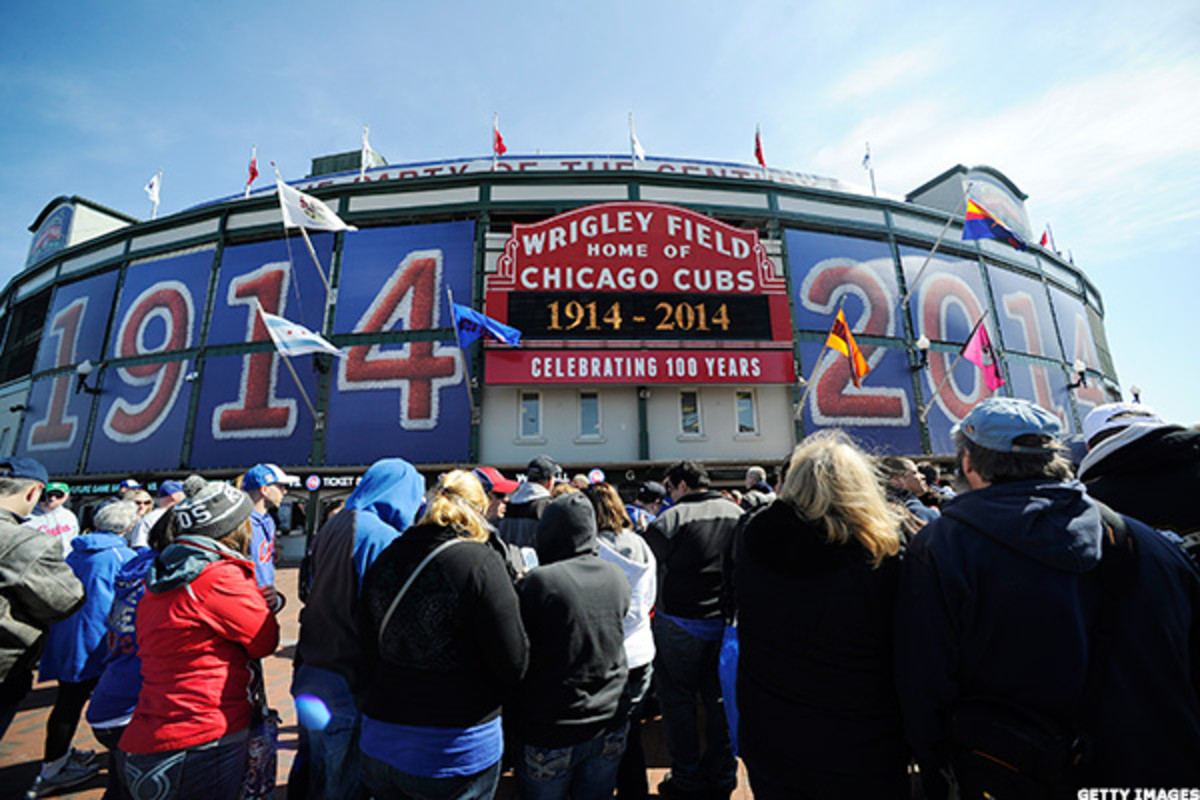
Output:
(1149, 472)
(75, 649)
(633, 556)
(525, 508)
(998, 598)
(382, 506)
(116, 694)
(573, 606)
(199, 624)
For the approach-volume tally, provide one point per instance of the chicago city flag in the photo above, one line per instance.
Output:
(292, 339)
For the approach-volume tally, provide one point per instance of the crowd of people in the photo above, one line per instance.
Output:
(1019, 633)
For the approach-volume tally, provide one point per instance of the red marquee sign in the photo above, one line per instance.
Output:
(633, 293)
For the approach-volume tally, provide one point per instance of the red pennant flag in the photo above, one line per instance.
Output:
(1045, 239)
(498, 146)
(758, 151)
(842, 340)
(253, 169)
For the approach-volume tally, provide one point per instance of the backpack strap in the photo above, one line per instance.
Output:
(412, 577)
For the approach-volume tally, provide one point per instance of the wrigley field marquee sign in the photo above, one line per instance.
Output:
(633, 293)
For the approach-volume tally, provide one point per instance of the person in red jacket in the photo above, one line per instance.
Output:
(199, 625)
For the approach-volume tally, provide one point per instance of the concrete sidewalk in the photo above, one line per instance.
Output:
(21, 750)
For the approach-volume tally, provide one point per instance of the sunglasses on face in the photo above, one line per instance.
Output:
(144, 502)
(54, 495)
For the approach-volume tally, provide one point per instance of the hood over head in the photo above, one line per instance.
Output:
(97, 540)
(392, 490)
(1049, 521)
(567, 529)
(527, 492)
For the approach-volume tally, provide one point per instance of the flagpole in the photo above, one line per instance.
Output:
(1050, 230)
(916, 280)
(288, 363)
(950, 370)
(495, 129)
(807, 383)
(871, 170)
(632, 149)
(154, 200)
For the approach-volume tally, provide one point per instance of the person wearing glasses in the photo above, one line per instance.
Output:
(52, 516)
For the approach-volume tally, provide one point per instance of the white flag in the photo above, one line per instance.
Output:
(293, 339)
(305, 211)
(369, 157)
(639, 152)
(152, 186)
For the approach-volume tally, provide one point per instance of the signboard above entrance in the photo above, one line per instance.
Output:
(647, 283)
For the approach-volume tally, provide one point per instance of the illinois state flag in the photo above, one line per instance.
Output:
(979, 351)
(982, 224)
(305, 211)
(293, 339)
(471, 324)
(842, 340)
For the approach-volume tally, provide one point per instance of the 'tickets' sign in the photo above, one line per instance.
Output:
(631, 293)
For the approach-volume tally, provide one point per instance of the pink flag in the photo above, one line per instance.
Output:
(979, 351)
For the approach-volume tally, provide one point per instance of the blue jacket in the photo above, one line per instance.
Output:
(75, 648)
(381, 507)
(262, 547)
(998, 598)
(117, 692)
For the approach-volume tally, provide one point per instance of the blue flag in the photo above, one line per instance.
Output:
(471, 325)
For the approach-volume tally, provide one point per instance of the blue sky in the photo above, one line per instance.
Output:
(1090, 108)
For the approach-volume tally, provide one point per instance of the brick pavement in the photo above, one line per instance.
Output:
(21, 750)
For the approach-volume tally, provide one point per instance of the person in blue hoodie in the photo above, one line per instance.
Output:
(999, 600)
(113, 701)
(75, 648)
(329, 659)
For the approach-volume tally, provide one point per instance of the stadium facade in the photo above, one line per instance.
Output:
(669, 309)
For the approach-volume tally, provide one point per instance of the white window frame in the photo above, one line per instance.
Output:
(598, 434)
(686, 434)
(522, 436)
(738, 433)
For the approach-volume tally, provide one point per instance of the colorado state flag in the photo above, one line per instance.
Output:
(980, 224)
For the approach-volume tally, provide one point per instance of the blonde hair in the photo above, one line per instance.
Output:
(833, 483)
(458, 501)
(561, 488)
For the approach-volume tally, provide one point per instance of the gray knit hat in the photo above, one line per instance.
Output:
(212, 508)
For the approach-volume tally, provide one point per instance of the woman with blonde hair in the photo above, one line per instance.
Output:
(815, 579)
(444, 648)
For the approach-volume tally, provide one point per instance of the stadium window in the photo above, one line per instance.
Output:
(689, 413)
(747, 413)
(530, 425)
(589, 415)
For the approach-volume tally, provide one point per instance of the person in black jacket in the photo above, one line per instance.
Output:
(567, 715)
(689, 540)
(815, 576)
(1000, 600)
(444, 647)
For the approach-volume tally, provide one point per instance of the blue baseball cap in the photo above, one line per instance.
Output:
(997, 422)
(28, 468)
(169, 488)
(261, 475)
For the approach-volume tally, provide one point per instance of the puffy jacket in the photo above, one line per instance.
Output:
(75, 648)
(199, 624)
(37, 589)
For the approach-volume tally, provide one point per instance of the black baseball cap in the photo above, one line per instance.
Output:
(541, 469)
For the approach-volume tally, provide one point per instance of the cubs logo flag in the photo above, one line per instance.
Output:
(982, 224)
(842, 340)
(304, 211)
(979, 351)
(293, 339)
(470, 325)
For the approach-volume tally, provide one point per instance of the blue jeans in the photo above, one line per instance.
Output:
(331, 755)
(207, 772)
(388, 783)
(685, 666)
(585, 771)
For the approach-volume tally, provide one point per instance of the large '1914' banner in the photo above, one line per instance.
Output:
(632, 293)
